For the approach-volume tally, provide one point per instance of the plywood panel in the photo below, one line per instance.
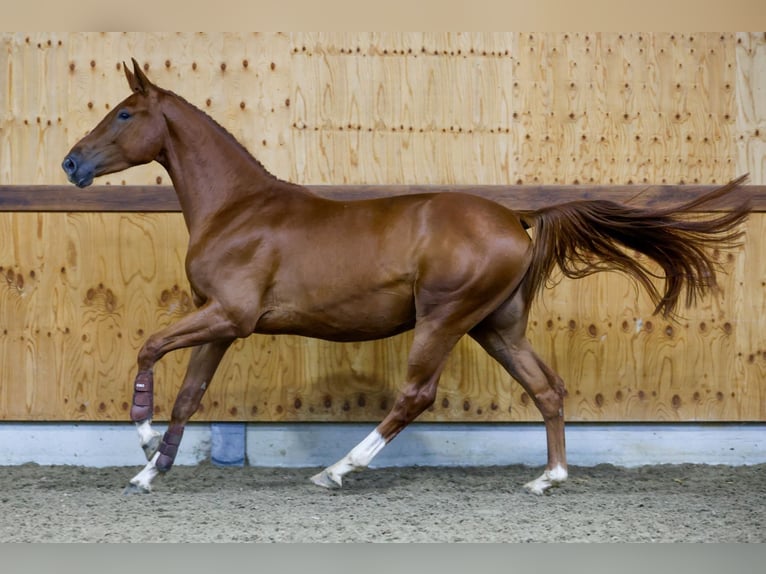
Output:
(79, 293)
(73, 321)
(64, 302)
(32, 126)
(625, 108)
(622, 363)
(400, 108)
(751, 104)
(403, 108)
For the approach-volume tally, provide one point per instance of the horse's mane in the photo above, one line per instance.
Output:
(229, 136)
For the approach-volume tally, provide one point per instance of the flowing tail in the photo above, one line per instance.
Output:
(584, 237)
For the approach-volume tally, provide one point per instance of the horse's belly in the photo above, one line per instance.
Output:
(356, 318)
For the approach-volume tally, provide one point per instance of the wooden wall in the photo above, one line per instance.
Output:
(80, 291)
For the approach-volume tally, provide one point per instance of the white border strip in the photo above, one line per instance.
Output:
(90, 444)
(423, 444)
(488, 445)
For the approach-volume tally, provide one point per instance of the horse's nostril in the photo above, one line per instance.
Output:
(69, 165)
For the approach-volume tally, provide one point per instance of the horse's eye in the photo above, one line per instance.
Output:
(124, 115)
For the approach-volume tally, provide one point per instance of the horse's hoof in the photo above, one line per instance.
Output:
(536, 487)
(151, 448)
(547, 480)
(135, 489)
(324, 480)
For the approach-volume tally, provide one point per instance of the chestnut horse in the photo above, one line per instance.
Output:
(268, 256)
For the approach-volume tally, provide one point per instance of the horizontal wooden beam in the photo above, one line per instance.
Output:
(162, 198)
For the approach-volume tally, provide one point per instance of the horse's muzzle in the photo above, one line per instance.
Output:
(76, 172)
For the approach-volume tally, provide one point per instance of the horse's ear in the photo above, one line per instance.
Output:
(130, 77)
(137, 81)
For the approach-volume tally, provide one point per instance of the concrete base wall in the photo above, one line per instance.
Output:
(302, 445)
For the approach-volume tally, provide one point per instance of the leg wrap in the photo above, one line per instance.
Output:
(169, 448)
(143, 397)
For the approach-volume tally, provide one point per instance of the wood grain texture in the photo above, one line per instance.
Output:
(440, 108)
(625, 108)
(80, 290)
(751, 104)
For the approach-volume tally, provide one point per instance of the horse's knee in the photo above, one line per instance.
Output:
(149, 353)
(550, 403)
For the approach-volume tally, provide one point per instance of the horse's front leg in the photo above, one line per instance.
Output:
(211, 334)
(202, 365)
(142, 410)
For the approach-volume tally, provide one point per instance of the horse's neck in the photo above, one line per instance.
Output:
(209, 169)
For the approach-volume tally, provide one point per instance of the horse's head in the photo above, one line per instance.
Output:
(132, 133)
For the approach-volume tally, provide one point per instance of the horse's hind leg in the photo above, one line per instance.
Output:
(502, 336)
(202, 366)
(426, 362)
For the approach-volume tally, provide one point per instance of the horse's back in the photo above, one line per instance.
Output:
(421, 230)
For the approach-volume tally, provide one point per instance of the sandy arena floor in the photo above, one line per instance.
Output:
(678, 503)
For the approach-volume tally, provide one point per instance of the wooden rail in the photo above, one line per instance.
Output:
(162, 198)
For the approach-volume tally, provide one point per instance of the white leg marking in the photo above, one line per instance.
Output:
(358, 458)
(149, 438)
(549, 478)
(145, 431)
(143, 480)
